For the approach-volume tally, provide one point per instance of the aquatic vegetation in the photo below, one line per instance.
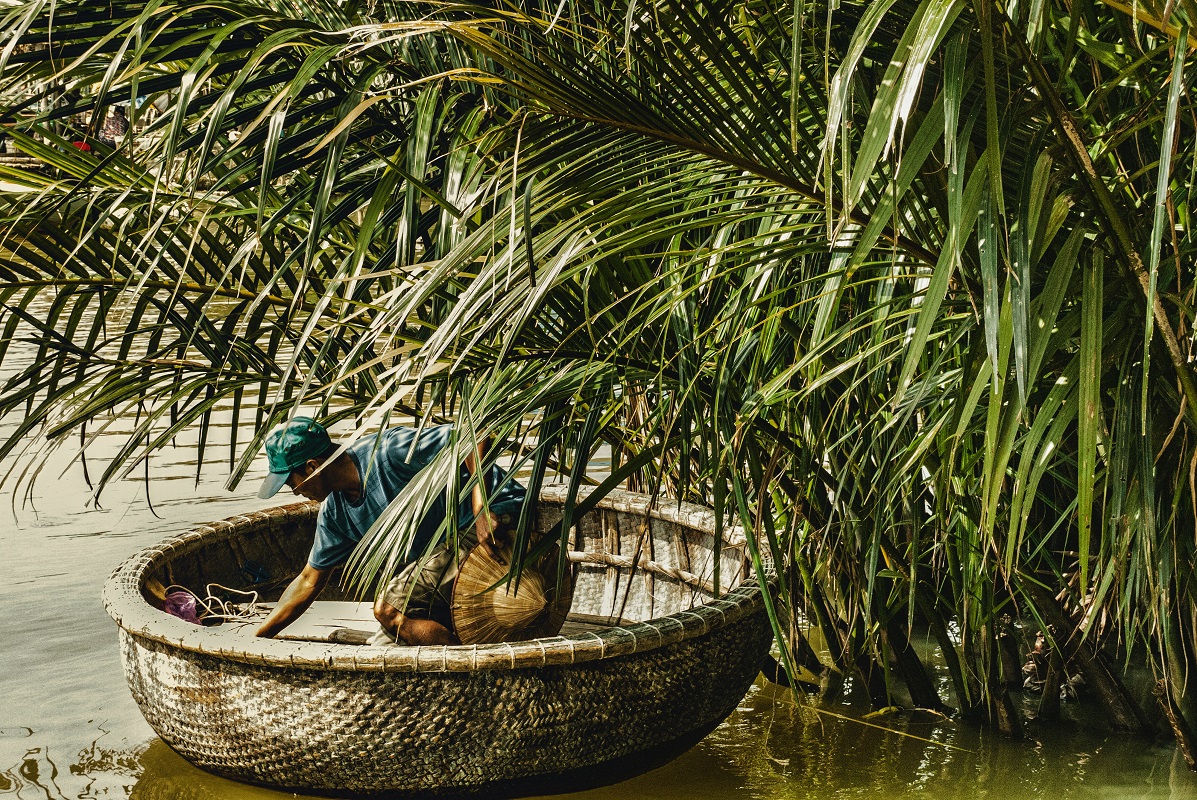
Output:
(898, 285)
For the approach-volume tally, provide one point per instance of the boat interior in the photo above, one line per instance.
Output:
(626, 567)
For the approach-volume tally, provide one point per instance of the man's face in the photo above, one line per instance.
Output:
(304, 483)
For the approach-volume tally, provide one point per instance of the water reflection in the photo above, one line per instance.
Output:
(97, 772)
(166, 776)
(797, 752)
(694, 775)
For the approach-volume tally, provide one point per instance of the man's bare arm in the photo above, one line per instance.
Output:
(484, 524)
(295, 600)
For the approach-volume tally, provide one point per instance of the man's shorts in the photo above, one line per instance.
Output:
(424, 589)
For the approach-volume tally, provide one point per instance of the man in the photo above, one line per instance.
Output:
(354, 488)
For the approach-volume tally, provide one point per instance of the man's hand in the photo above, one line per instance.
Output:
(295, 600)
(486, 527)
(485, 523)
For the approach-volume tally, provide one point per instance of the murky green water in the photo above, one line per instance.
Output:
(69, 728)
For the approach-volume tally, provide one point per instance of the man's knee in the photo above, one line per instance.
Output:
(424, 631)
(387, 615)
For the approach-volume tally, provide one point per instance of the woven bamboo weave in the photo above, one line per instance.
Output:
(546, 714)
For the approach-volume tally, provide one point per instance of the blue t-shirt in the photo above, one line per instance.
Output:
(341, 524)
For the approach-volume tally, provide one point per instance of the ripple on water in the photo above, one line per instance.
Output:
(50, 522)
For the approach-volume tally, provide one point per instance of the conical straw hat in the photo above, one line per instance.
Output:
(484, 615)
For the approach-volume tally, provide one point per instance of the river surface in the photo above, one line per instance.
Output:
(70, 729)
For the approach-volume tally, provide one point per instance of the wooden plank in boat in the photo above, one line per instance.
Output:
(572, 628)
(342, 621)
(585, 623)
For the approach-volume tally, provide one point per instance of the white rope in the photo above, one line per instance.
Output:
(217, 608)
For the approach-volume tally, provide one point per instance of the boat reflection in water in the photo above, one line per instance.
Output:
(167, 776)
(697, 774)
(30, 771)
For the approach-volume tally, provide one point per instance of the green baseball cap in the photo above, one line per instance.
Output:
(288, 447)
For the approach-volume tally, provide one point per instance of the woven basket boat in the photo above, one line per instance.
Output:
(559, 714)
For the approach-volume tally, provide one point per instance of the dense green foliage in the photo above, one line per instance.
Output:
(900, 286)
